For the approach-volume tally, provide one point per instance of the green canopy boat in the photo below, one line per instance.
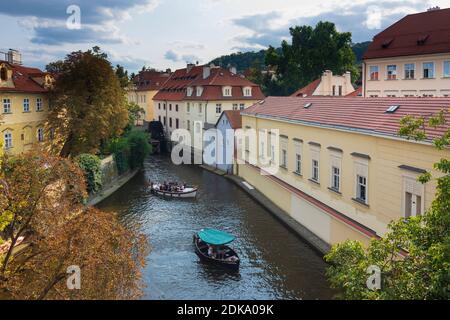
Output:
(210, 245)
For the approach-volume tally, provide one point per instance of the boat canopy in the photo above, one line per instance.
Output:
(215, 237)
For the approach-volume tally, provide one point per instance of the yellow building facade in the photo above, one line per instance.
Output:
(24, 107)
(340, 182)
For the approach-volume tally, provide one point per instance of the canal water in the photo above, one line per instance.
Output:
(275, 263)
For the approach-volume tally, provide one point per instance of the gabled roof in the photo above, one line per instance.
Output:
(308, 90)
(366, 116)
(356, 93)
(416, 34)
(24, 79)
(150, 80)
(234, 118)
(175, 88)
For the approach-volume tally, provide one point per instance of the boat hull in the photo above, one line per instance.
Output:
(190, 193)
(232, 265)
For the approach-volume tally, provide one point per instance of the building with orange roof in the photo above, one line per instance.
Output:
(411, 58)
(24, 104)
(196, 96)
(343, 171)
(144, 87)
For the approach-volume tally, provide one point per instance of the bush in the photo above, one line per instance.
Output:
(91, 166)
(139, 148)
(129, 150)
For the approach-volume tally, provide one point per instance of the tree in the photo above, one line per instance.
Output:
(414, 256)
(135, 113)
(122, 74)
(88, 104)
(44, 194)
(310, 53)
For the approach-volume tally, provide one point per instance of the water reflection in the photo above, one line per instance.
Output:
(275, 264)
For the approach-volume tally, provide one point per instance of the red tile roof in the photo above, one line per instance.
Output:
(421, 33)
(175, 88)
(365, 115)
(24, 79)
(308, 90)
(150, 80)
(234, 118)
(356, 93)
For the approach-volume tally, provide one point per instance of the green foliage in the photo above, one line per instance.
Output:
(414, 256)
(139, 148)
(91, 166)
(242, 60)
(88, 104)
(310, 53)
(135, 113)
(122, 75)
(130, 150)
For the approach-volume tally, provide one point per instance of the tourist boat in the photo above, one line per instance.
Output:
(188, 192)
(210, 246)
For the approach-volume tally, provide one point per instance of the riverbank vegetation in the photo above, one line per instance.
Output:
(42, 200)
(414, 256)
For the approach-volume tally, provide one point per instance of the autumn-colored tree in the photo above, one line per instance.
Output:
(87, 104)
(414, 256)
(42, 198)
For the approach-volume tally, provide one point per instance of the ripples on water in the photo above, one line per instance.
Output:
(275, 264)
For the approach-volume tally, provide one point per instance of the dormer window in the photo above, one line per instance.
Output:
(199, 91)
(3, 74)
(227, 91)
(247, 92)
(189, 91)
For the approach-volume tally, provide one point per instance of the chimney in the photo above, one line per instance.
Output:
(14, 57)
(434, 9)
(233, 69)
(189, 67)
(206, 72)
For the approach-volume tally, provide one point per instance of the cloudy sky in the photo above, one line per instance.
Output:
(168, 33)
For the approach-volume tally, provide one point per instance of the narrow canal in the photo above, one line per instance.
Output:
(275, 264)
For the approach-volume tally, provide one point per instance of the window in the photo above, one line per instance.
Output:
(159, 118)
(188, 107)
(189, 91)
(374, 73)
(164, 106)
(200, 108)
(38, 104)
(40, 134)
(199, 91)
(26, 105)
(247, 92)
(159, 106)
(446, 69)
(414, 192)
(189, 125)
(284, 152)
(3, 74)
(165, 121)
(218, 108)
(227, 91)
(176, 108)
(6, 105)
(235, 106)
(298, 164)
(361, 188)
(428, 70)
(170, 122)
(336, 178)
(177, 123)
(242, 106)
(8, 139)
(340, 91)
(170, 107)
(315, 170)
(334, 90)
(410, 71)
(413, 205)
(392, 72)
